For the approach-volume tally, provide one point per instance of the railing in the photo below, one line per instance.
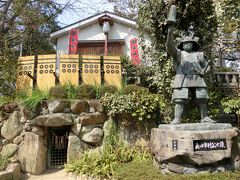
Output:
(230, 79)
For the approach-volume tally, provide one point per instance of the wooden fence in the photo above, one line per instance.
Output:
(41, 71)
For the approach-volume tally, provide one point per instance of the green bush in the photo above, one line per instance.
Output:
(71, 90)
(107, 89)
(102, 164)
(129, 89)
(141, 106)
(85, 92)
(58, 92)
(232, 105)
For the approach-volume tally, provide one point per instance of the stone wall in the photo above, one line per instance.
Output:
(24, 133)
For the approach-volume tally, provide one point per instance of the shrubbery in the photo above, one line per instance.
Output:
(142, 106)
(85, 92)
(232, 105)
(129, 89)
(58, 92)
(107, 89)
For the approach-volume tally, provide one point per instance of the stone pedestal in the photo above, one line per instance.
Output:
(192, 148)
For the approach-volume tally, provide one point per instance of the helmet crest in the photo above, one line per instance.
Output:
(189, 36)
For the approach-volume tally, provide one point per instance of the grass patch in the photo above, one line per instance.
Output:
(32, 101)
(102, 164)
(145, 170)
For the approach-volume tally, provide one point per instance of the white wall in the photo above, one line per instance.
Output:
(62, 44)
(94, 32)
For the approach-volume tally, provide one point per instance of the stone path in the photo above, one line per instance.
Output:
(51, 174)
(55, 174)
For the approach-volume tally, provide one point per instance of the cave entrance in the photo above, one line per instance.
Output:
(57, 146)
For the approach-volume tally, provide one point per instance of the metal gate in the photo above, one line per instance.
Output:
(57, 146)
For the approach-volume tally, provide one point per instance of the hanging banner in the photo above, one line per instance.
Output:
(134, 51)
(73, 41)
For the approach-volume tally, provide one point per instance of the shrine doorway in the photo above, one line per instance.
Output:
(57, 146)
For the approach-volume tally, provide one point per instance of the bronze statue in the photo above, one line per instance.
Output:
(190, 65)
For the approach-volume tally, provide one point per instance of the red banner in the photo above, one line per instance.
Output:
(134, 51)
(73, 41)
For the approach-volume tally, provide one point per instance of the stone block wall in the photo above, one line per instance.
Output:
(24, 134)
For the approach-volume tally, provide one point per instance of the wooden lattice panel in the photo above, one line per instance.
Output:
(45, 69)
(91, 70)
(69, 65)
(113, 71)
(25, 66)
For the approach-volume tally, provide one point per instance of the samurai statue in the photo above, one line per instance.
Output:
(190, 66)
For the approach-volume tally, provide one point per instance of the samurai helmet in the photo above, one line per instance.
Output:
(189, 36)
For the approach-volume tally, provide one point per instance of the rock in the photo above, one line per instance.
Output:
(237, 165)
(220, 169)
(10, 107)
(16, 171)
(5, 142)
(55, 120)
(79, 106)
(37, 130)
(9, 150)
(14, 159)
(12, 127)
(29, 114)
(76, 128)
(5, 175)
(75, 148)
(44, 112)
(4, 115)
(18, 140)
(91, 110)
(32, 154)
(92, 118)
(181, 168)
(190, 170)
(196, 126)
(12, 172)
(165, 171)
(96, 105)
(1, 143)
(88, 128)
(44, 108)
(27, 127)
(133, 132)
(23, 120)
(163, 140)
(59, 106)
(175, 168)
(94, 137)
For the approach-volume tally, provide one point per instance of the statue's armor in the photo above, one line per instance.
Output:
(188, 67)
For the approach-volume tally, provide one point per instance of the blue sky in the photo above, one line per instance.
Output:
(82, 10)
